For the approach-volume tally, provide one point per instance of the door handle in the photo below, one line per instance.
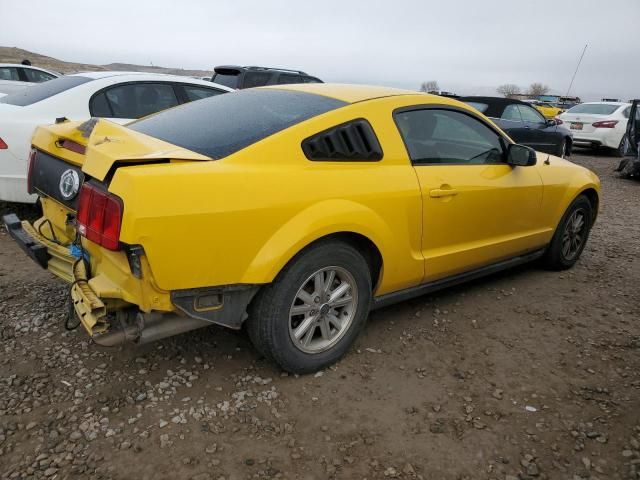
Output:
(442, 192)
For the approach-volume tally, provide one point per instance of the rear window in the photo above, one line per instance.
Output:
(42, 91)
(594, 108)
(481, 107)
(230, 81)
(221, 125)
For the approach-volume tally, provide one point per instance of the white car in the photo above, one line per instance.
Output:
(598, 124)
(14, 77)
(118, 96)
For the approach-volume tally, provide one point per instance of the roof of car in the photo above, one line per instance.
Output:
(492, 100)
(346, 92)
(34, 67)
(115, 73)
(605, 103)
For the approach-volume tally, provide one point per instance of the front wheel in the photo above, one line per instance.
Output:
(312, 313)
(571, 235)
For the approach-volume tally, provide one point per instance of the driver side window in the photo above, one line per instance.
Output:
(439, 136)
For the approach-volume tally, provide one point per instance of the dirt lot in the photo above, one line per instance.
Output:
(525, 375)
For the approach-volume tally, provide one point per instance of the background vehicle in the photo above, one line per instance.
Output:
(233, 76)
(630, 165)
(119, 96)
(598, 124)
(548, 110)
(525, 124)
(302, 205)
(14, 77)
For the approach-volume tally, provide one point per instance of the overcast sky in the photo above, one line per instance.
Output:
(468, 46)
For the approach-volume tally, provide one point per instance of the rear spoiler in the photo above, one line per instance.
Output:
(228, 70)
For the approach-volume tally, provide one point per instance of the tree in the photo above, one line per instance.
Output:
(536, 89)
(508, 90)
(429, 86)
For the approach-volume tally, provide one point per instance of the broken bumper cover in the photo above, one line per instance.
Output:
(34, 249)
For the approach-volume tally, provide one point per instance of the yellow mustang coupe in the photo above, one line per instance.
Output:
(292, 210)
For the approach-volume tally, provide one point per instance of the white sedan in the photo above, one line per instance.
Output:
(14, 77)
(118, 96)
(598, 124)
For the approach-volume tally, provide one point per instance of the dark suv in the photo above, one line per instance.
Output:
(237, 77)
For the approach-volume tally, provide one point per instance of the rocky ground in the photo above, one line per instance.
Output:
(524, 375)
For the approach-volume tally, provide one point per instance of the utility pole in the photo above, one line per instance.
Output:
(577, 67)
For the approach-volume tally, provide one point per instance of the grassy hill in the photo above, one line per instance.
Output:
(16, 55)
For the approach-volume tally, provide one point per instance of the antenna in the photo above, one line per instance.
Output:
(577, 67)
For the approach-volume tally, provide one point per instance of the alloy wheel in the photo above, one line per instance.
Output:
(574, 234)
(323, 309)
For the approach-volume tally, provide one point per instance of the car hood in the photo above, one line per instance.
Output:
(97, 144)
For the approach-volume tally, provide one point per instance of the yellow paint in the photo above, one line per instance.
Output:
(242, 218)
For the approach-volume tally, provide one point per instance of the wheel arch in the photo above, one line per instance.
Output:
(350, 222)
(594, 200)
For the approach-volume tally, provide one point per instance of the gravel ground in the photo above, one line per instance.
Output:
(527, 374)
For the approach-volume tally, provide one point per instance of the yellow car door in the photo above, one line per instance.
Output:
(477, 210)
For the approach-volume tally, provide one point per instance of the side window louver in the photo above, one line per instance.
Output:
(353, 141)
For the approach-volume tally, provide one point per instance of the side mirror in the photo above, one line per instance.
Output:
(551, 122)
(521, 156)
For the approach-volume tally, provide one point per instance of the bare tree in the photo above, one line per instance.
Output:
(508, 90)
(429, 86)
(536, 89)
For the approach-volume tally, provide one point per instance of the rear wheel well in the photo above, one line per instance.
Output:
(363, 245)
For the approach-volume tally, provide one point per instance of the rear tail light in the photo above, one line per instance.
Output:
(605, 124)
(99, 216)
(558, 121)
(31, 166)
(3, 145)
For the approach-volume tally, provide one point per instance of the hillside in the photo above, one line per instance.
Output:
(16, 55)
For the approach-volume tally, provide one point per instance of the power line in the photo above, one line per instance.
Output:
(577, 67)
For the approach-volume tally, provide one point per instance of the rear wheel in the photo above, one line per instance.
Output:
(312, 313)
(571, 235)
(619, 152)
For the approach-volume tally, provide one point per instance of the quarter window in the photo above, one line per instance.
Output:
(530, 115)
(511, 112)
(9, 73)
(437, 136)
(198, 93)
(134, 100)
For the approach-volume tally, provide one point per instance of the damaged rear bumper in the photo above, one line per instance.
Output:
(115, 306)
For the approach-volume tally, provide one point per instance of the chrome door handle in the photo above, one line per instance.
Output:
(442, 192)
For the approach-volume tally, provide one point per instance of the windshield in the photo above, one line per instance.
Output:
(42, 91)
(594, 108)
(221, 125)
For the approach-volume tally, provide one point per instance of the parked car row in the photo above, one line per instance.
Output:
(288, 210)
(119, 96)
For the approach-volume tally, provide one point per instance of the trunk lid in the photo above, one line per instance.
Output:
(97, 145)
(582, 122)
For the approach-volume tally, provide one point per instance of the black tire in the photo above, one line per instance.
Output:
(619, 152)
(556, 257)
(269, 319)
(562, 149)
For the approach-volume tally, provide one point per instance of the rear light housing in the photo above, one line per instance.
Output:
(3, 145)
(30, 167)
(99, 216)
(605, 124)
